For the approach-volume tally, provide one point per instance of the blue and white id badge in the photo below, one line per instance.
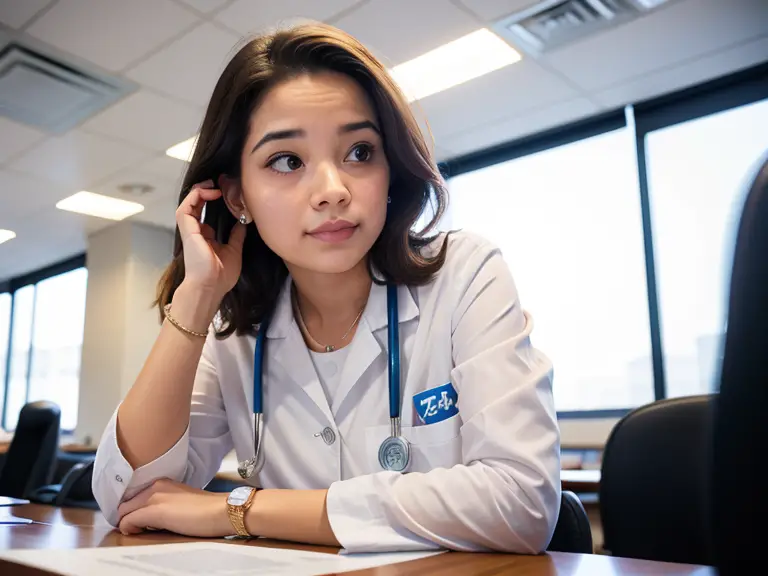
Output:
(436, 404)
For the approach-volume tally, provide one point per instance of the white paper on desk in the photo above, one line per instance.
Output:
(200, 558)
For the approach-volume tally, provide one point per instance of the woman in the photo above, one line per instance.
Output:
(313, 172)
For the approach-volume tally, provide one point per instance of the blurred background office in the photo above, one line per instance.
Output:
(604, 145)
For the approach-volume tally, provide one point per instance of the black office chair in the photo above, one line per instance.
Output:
(740, 500)
(74, 491)
(572, 532)
(31, 457)
(654, 487)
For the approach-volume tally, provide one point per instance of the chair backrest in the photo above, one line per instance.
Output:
(572, 532)
(655, 482)
(31, 457)
(740, 500)
(76, 486)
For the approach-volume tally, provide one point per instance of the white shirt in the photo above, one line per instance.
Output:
(485, 478)
(328, 366)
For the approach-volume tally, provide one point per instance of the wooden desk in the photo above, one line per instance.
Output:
(75, 528)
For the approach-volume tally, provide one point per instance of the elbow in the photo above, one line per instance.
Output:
(531, 515)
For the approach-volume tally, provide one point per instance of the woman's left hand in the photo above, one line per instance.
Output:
(176, 507)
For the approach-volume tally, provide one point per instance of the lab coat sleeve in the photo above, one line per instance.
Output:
(505, 495)
(194, 459)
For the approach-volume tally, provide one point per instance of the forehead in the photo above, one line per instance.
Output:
(312, 98)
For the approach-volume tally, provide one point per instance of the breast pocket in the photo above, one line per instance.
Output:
(435, 445)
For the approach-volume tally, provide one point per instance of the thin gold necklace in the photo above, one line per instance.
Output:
(305, 330)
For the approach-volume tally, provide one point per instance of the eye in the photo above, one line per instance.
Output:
(360, 153)
(285, 163)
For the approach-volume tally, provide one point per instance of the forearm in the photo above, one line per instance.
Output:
(293, 515)
(155, 412)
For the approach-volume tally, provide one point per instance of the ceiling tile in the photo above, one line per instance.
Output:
(21, 196)
(163, 188)
(166, 167)
(495, 9)
(669, 36)
(16, 13)
(77, 159)
(516, 127)
(65, 236)
(16, 138)
(148, 120)
(190, 66)
(678, 77)
(374, 22)
(501, 94)
(247, 16)
(111, 33)
(205, 6)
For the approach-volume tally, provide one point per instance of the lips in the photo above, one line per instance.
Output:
(334, 231)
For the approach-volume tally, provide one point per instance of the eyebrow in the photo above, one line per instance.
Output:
(298, 133)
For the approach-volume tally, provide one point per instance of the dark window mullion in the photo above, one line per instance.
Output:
(31, 341)
(8, 362)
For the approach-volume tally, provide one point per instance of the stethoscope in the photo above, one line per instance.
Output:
(394, 452)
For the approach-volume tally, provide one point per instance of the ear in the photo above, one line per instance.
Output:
(232, 193)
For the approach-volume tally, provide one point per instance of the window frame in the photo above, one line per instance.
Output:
(731, 91)
(11, 286)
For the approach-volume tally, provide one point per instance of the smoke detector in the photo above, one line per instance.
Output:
(551, 24)
(135, 189)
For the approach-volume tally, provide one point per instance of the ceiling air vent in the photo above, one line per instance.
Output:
(42, 92)
(553, 23)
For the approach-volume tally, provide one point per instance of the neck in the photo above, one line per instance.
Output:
(329, 303)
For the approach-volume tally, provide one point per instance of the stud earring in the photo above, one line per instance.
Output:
(243, 219)
(389, 199)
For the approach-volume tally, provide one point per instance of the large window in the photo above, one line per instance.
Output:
(42, 336)
(620, 236)
(697, 178)
(568, 222)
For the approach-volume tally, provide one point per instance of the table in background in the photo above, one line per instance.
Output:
(77, 528)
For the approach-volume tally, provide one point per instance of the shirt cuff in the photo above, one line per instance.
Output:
(361, 512)
(114, 479)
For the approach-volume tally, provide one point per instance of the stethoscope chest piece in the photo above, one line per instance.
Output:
(246, 468)
(394, 454)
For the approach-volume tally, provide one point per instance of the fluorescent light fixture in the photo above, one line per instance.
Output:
(100, 206)
(459, 61)
(6, 235)
(183, 150)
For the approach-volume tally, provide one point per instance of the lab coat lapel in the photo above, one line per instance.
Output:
(290, 351)
(365, 346)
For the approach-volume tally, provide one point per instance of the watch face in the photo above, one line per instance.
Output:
(238, 496)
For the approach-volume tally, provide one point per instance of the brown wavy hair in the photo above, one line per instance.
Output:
(415, 181)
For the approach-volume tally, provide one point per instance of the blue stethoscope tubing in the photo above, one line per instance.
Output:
(394, 452)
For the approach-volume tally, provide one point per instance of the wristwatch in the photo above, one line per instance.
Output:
(238, 502)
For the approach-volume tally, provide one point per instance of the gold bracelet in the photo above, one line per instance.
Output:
(172, 320)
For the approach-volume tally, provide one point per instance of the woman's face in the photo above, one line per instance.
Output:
(314, 175)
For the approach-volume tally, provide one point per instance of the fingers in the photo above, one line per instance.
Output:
(207, 232)
(137, 521)
(237, 237)
(139, 501)
(190, 210)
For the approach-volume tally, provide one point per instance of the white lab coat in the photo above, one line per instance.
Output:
(485, 478)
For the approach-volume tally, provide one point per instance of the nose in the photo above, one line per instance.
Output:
(328, 188)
